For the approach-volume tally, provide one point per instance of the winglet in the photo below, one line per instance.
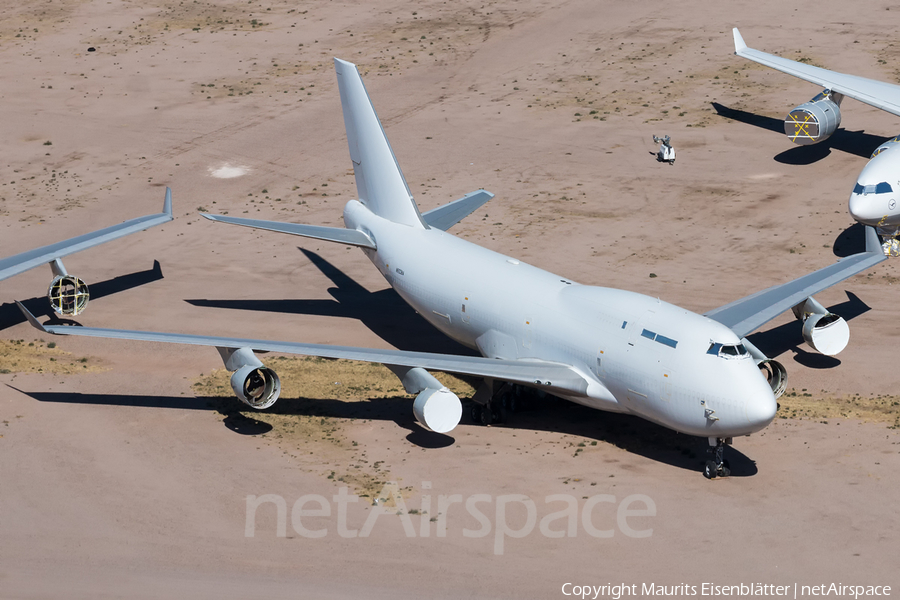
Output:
(31, 318)
(208, 216)
(738, 41)
(167, 204)
(873, 244)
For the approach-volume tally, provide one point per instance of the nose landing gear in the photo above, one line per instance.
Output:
(717, 466)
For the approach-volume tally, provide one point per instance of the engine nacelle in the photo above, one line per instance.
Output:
(438, 410)
(256, 386)
(826, 333)
(814, 121)
(775, 374)
(888, 144)
(68, 295)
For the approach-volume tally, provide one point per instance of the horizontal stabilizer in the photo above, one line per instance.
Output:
(340, 235)
(746, 315)
(39, 256)
(446, 216)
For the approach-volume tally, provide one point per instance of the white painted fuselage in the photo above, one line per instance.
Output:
(639, 354)
(875, 199)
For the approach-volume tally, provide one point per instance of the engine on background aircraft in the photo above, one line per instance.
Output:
(814, 121)
(68, 295)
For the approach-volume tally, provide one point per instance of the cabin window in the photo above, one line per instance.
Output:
(659, 338)
(666, 341)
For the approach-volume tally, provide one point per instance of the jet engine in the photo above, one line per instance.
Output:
(438, 410)
(775, 374)
(888, 144)
(825, 332)
(814, 121)
(68, 295)
(772, 370)
(256, 386)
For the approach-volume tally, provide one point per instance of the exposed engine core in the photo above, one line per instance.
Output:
(775, 374)
(257, 387)
(438, 410)
(68, 295)
(814, 121)
(827, 334)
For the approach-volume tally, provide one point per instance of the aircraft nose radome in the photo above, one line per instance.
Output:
(761, 408)
(868, 209)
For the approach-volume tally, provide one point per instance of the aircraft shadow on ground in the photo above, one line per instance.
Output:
(789, 336)
(850, 241)
(630, 433)
(10, 315)
(858, 143)
(383, 312)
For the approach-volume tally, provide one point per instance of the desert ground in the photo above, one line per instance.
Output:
(125, 467)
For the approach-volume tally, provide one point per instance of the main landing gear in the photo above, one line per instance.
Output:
(488, 404)
(491, 407)
(487, 414)
(717, 466)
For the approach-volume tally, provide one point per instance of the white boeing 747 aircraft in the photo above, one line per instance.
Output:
(68, 294)
(875, 199)
(605, 348)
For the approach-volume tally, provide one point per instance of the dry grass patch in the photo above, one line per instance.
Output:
(321, 401)
(37, 356)
(804, 405)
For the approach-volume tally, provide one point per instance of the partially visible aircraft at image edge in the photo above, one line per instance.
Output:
(68, 294)
(608, 349)
(875, 199)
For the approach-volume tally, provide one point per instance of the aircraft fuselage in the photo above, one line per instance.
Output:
(875, 199)
(639, 354)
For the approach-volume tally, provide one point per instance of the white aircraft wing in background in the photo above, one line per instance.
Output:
(47, 254)
(879, 94)
(748, 314)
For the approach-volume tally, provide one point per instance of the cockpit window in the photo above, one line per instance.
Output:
(728, 351)
(881, 188)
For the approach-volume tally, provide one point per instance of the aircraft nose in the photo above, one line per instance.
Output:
(869, 208)
(760, 407)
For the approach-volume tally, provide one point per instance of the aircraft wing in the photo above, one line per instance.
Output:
(446, 216)
(547, 375)
(885, 96)
(39, 256)
(746, 315)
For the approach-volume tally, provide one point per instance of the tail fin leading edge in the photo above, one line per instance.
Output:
(379, 180)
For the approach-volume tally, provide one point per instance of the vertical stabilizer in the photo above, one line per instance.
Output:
(379, 180)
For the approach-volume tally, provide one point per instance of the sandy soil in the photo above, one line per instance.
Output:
(124, 481)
